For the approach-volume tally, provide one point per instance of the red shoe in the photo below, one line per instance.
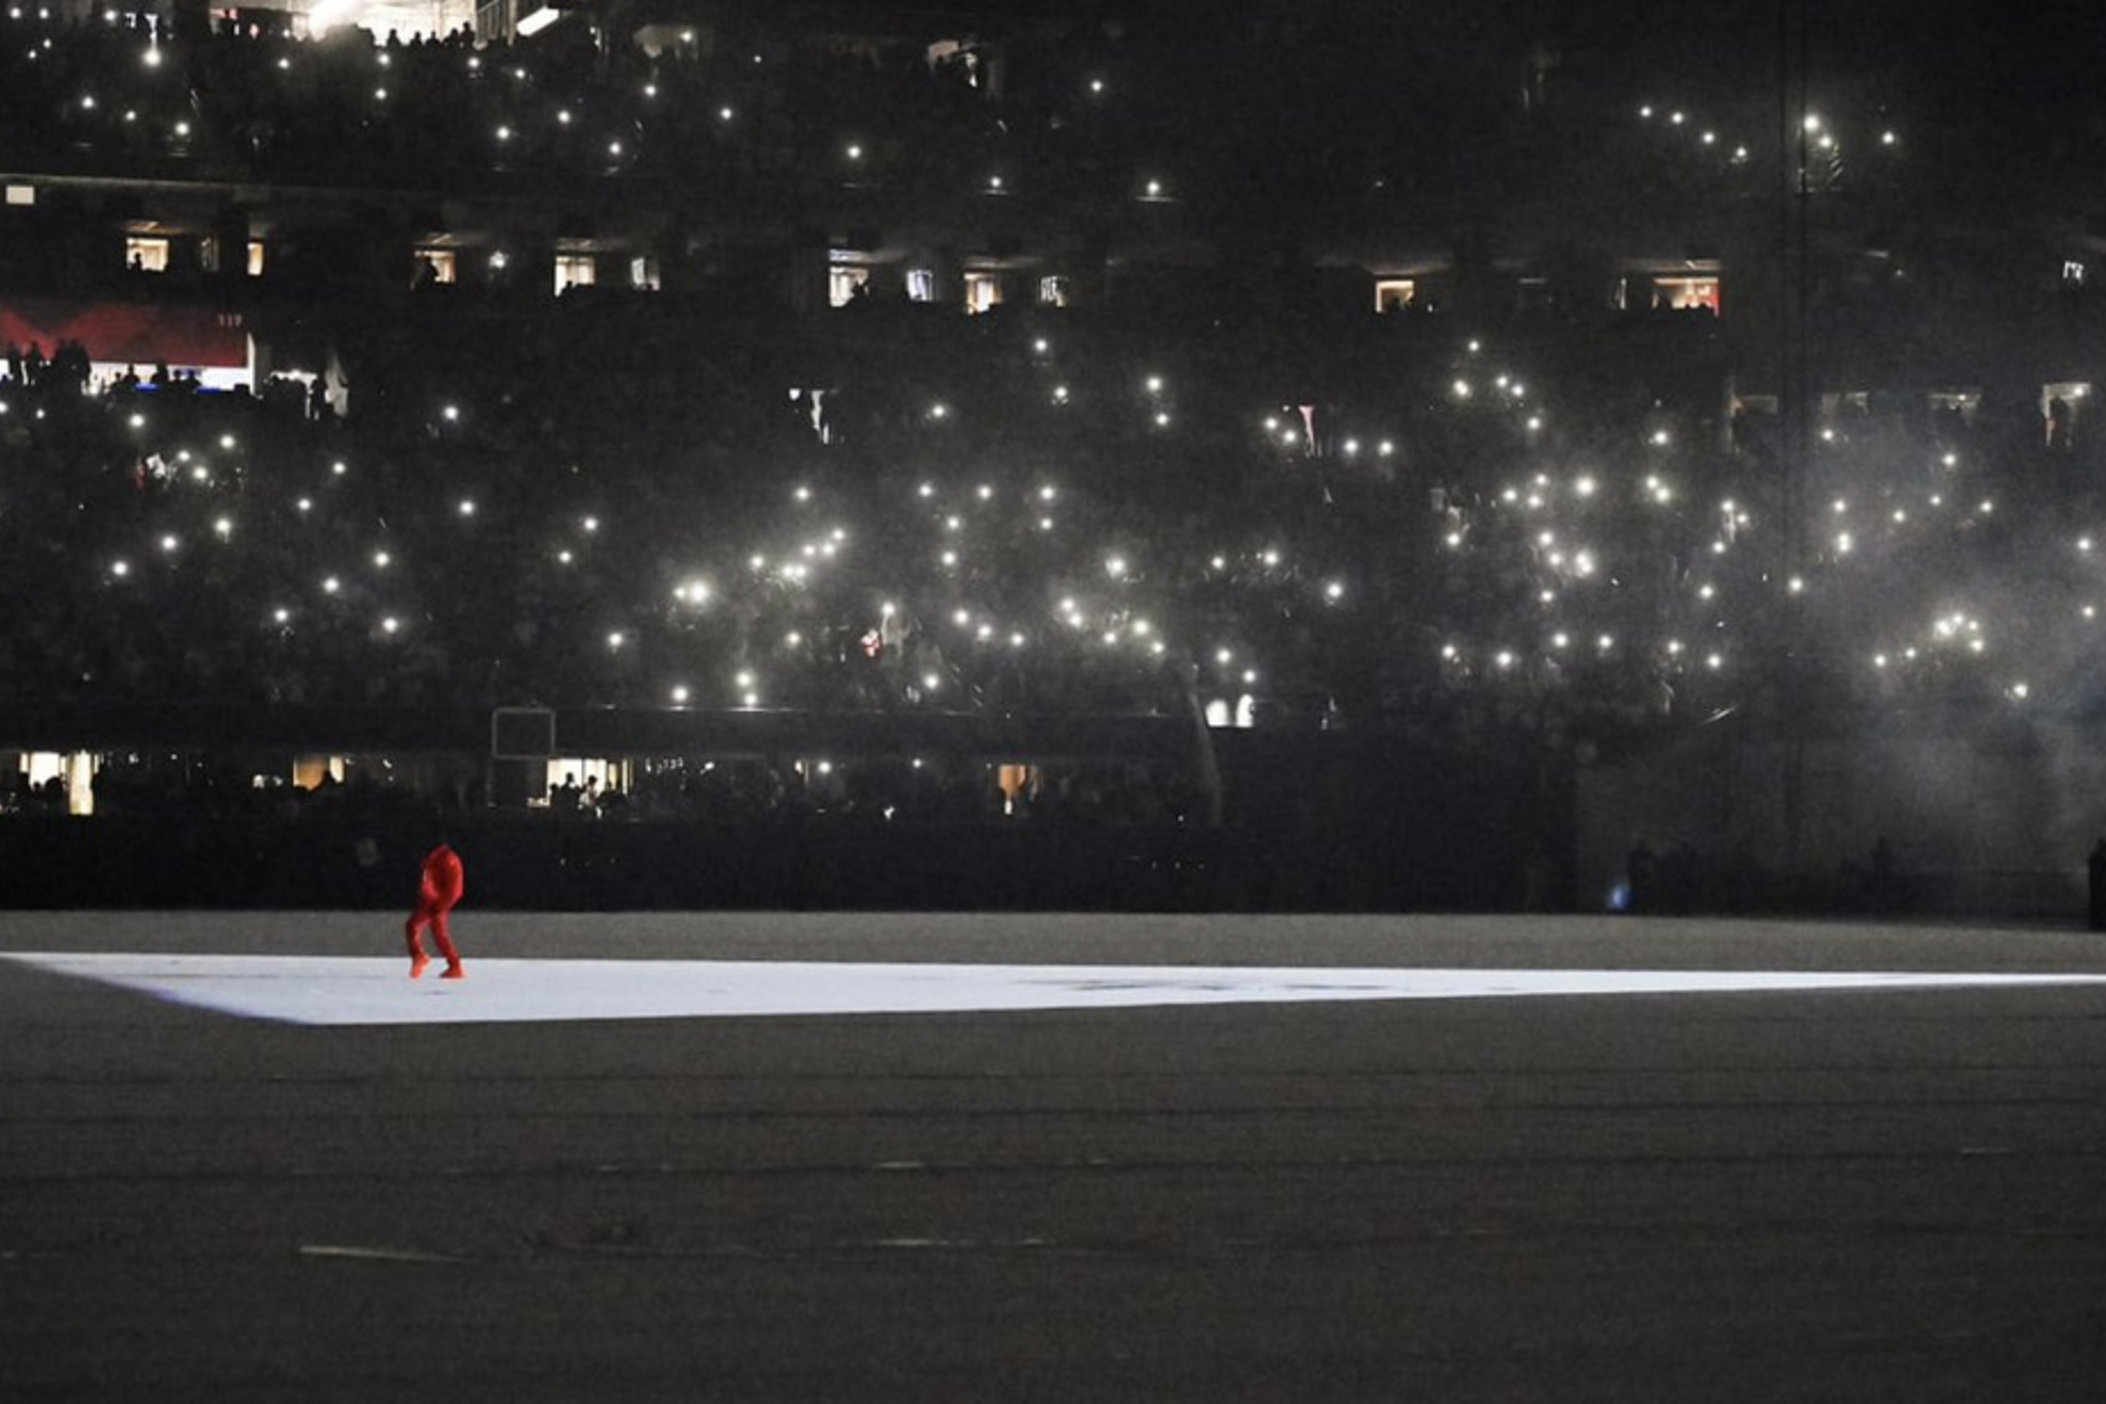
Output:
(417, 963)
(453, 972)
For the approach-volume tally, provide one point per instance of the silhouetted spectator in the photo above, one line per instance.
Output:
(1641, 871)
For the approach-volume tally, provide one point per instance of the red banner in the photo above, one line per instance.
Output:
(196, 338)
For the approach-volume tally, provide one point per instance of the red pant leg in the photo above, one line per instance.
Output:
(441, 938)
(418, 920)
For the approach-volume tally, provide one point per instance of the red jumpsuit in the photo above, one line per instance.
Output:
(437, 891)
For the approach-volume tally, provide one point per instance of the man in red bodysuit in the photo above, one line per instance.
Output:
(437, 891)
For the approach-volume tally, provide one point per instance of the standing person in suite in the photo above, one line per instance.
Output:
(438, 889)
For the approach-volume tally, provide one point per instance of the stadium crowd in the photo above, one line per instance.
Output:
(1039, 518)
(1417, 526)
